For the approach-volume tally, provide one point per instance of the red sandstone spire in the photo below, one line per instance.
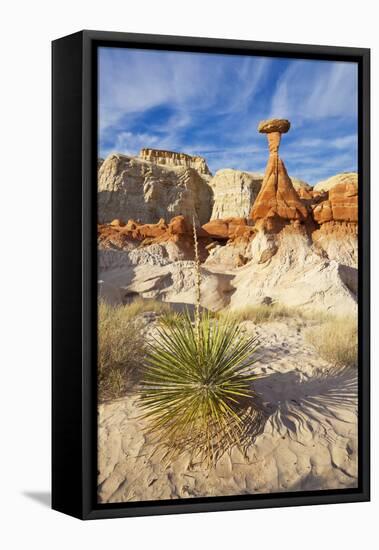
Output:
(277, 196)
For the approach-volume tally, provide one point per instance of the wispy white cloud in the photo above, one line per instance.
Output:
(132, 81)
(316, 90)
(211, 104)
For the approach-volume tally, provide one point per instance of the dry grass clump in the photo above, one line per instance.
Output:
(336, 341)
(120, 349)
(141, 305)
(266, 313)
(262, 313)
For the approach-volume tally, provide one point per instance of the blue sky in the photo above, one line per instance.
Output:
(210, 105)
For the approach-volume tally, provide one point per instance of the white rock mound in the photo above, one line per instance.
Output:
(132, 188)
(287, 269)
(154, 272)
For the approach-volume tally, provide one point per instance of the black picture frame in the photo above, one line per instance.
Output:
(74, 173)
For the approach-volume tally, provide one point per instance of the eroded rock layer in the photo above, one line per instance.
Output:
(171, 158)
(131, 188)
(341, 204)
(233, 193)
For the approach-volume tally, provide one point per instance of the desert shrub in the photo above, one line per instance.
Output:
(120, 349)
(336, 341)
(196, 374)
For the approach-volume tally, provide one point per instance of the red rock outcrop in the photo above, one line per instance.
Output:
(178, 232)
(277, 197)
(161, 231)
(229, 228)
(340, 206)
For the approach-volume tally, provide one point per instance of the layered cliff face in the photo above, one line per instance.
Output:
(233, 193)
(340, 204)
(171, 158)
(131, 188)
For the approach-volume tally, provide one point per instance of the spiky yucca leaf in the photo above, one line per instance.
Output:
(195, 378)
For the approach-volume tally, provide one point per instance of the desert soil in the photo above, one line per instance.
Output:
(308, 439)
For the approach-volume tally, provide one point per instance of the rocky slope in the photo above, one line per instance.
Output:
(262, 238)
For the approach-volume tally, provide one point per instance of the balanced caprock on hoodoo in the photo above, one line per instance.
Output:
(263, 238)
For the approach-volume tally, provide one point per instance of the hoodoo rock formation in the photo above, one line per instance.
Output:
(288, 261)
(170, 158)
(277, 197)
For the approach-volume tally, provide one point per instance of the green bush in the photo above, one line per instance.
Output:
(195, 377)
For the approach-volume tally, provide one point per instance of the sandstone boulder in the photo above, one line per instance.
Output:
(280, 125)
(230, 228)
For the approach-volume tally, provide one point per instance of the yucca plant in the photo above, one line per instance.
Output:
(195, 379)
(197, 373)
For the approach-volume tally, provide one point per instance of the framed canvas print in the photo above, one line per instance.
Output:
(210, 274)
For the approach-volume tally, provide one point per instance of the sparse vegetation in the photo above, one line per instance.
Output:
(121, 346)
(265, 313)
(336, 341)
(141, 305)
(196, 374)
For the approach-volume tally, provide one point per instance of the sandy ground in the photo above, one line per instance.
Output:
(308, 439)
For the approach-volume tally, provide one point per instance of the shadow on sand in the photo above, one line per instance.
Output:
(295, 403)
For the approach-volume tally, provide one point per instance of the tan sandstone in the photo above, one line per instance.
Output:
(132, 188)
(171, 158)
